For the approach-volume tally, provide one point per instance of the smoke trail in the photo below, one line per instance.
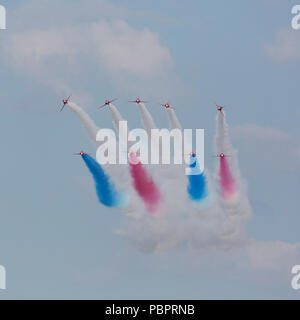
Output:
(87, 122)
(197, 186)
(105, 189)
(124, 145)
(227, 182)
(116, 116)
(233, 187)
(223, 143)
(144, 185)
(173, 121)
(149, 124)
(146, 117)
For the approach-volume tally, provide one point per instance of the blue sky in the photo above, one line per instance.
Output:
(56, 240)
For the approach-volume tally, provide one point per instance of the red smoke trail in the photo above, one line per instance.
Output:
(144, 185)
(227, 182)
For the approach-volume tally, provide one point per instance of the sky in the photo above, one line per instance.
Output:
(56, 240)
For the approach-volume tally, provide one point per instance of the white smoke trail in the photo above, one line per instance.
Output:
(87, 122)
(123, 135)
(172, 172)
(239, 209)
(146, 117)
(148, 125)
(223, 143)
(173, 121)
(116, 116)
(158, 171)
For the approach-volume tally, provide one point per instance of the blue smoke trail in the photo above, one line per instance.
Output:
(105, 189)
(197, 186)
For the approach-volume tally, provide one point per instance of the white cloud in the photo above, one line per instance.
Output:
(87, 41)
(285, 47)
(114, 46)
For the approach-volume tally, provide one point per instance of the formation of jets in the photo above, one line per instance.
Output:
(193, 154)
(138, 100)
(221, 155)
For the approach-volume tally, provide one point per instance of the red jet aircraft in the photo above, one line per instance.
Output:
(107, 102)
(219, 107)
(65, 101)
(222, 155)
(167, 106)
(138, 100)
(81, 153)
